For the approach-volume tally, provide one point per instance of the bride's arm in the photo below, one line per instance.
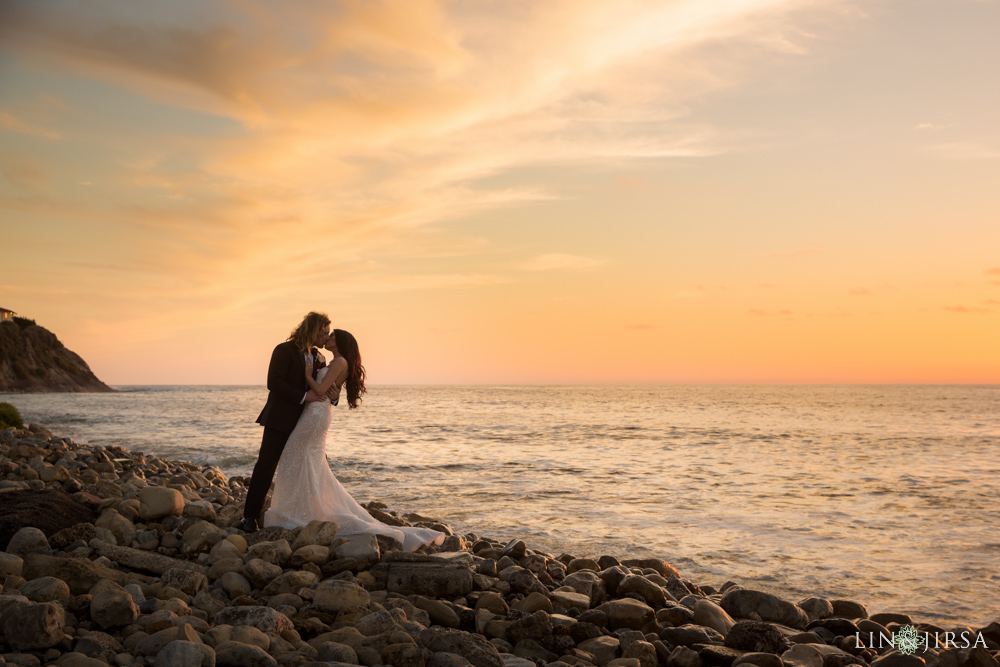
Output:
(337, 367)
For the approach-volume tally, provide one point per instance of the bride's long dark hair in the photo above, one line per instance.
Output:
(355, 382)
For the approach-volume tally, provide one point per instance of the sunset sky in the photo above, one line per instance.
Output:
(544, 191)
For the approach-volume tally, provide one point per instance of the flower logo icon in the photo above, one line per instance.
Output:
(907, 640)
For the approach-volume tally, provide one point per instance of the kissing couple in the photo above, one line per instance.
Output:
(302, 390)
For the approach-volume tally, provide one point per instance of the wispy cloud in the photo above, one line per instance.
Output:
(561, 261)
(12, 124)
(861, 291)
(964, 310)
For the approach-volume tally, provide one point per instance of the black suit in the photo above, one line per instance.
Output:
(286, 384)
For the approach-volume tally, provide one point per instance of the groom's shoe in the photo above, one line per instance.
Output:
(248, 525)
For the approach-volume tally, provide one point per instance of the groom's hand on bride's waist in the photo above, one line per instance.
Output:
(312, 397)
(333, 393)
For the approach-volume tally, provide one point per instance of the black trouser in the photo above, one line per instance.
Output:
(271, 446)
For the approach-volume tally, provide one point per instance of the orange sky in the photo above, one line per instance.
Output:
(537, 192)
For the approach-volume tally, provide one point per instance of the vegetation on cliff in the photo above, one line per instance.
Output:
(33, 360)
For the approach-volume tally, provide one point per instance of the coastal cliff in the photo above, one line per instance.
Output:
(33, 360)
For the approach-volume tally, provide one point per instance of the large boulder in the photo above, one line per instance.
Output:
(741, 603)
(34, 627)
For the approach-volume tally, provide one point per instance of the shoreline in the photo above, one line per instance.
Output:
(158, 575)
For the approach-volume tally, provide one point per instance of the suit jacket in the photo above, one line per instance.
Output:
(286, 384)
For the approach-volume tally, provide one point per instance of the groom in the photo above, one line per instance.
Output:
(288, 392)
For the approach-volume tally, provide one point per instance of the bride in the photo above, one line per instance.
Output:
(304, 487)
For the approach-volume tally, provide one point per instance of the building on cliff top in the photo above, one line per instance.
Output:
(6, 314)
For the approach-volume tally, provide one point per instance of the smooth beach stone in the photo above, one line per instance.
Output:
(375, 624)
(604, 648)
(289, 581)
(802, 655)
(440, 613)
(492, 602)
(531, 650)
(895, 659)
(28, 541)
(756, 637)
(224, 566)
(11, 564)
(719, 656)
(239, 542)
(200, 509)
(642, 651)
(589, 583)
(113, 608)
(534, 626)
(180, 653)
(474, 648)
(336, 652)
(311, 553)
(515, 549)
(711, 615)
(224, 549)
(682, 656)
(159, 501)
(817, 608)
(235, 654)
(45, 589)
(654, 596)
(188, 581)
(759, 659)
(582, 564)
(521, 580)
(97, 641)
(445, 659)
(123, 529)
(264, 619)
(260, 572)
(675, 616)
(534, 602)
(363, 548)
(335, 596)
(849, 609)
(33, 627)
(624, 662)
(741, 603)
(627, 613)
(568, 598)
(79, 659)
(689, 635)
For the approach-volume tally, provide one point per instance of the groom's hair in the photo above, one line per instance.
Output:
(304, 335)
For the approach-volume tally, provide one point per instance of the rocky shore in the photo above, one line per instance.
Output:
(116, 558)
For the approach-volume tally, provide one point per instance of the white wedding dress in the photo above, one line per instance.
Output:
(305, 488)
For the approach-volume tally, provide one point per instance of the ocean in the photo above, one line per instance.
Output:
(887, 495)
